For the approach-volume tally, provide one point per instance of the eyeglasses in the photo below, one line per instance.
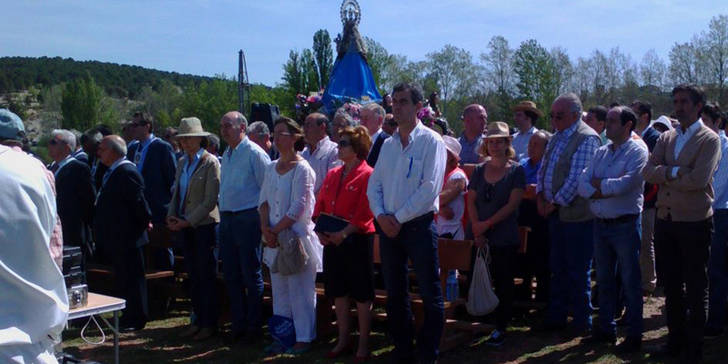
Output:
(53, 142)
(343, 143)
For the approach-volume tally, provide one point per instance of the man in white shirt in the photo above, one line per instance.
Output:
(34, 302)
(321, 153)
(403, 195)
(525, 114)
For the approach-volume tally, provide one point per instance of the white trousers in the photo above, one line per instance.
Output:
(294, 296)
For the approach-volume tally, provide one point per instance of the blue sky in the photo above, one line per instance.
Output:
(203, 37)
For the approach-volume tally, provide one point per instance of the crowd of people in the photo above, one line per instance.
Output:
(643, 202)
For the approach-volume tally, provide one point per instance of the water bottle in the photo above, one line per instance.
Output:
(451, 287)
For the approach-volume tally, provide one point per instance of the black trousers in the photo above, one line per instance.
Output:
(131, 285)
(535, 263)
(682, 249)
(201, 266)
(502, 264)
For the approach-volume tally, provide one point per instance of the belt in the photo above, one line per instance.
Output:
(618, 219)
(428, 216)
(233, 213)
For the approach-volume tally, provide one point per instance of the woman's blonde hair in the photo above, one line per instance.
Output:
(510, 152)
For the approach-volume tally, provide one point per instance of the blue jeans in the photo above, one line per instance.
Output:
(618, 244)
(718, 271)
(570, 259)
(417, 241)
(240, 249)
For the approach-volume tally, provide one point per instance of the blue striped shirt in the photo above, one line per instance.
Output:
(579, 161)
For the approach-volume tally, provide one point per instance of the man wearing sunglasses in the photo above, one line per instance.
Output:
(75, 192)
(156, 162)
(570, 221)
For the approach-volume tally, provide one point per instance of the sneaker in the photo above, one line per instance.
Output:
(496, 338)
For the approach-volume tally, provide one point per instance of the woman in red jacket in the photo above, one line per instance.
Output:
(348, 260)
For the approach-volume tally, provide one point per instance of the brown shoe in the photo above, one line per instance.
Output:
(204, 334)
(189, 331)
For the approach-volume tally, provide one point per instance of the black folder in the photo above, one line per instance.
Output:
(327, 223)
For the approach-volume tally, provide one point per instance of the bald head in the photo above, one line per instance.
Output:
(232, 128)
(112, 148)
(475, 119)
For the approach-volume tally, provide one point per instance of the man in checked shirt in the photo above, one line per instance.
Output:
(570, 220)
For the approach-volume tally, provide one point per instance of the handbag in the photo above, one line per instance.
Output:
(481, 298)
(292, 257)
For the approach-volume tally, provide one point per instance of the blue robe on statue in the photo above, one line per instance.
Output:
(351, 80)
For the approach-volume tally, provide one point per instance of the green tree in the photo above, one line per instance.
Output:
(209, 101)
(323, 55)
(81, 105)
(535, 69)
(308, 70)
(498, 64)
(455, 72)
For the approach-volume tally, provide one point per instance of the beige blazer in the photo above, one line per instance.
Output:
(687, 198)
(200, 203)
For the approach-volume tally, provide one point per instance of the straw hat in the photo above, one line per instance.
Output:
(498, 129)
(191, 127)
(528, 106)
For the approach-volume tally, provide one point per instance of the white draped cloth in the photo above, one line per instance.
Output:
(33, 302)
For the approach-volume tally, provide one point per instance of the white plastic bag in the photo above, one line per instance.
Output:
(481, 298)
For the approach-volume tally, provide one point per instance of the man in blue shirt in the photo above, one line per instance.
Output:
(613, 183)
(155, 161)
(403, 196)
(717, 268)
(241, 177)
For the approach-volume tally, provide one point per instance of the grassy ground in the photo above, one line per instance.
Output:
(158, 343)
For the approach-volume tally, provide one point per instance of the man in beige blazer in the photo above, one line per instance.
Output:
(683, 163)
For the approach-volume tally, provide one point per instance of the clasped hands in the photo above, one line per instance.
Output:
(270, 236)
(389, 225)
(175, 223)
(335, 238)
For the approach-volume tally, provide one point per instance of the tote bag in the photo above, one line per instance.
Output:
(481, 298)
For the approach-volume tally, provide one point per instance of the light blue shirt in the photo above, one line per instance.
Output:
(407, 180)
(682, 139)
(141, 153)
(622, 184)
(520, 142)
(184, 178)
(62, 164)
(469, 153)
(720, 178)
(241, 176)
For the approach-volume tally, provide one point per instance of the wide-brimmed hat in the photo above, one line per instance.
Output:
(191, 127)
(11, 126)
(452, 145)
(498, 129)
(528, 106)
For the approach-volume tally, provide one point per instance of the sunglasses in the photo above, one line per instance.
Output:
(343, 143)
(54, 142)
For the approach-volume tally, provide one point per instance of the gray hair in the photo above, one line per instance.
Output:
(376, 108)
(214, 140)
(117, 144)
(237, 118)
(574, 100)
(259, 127)
(66, 137)
(341, 113)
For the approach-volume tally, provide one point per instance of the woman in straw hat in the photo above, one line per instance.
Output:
(193, 215)
(494, 194)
